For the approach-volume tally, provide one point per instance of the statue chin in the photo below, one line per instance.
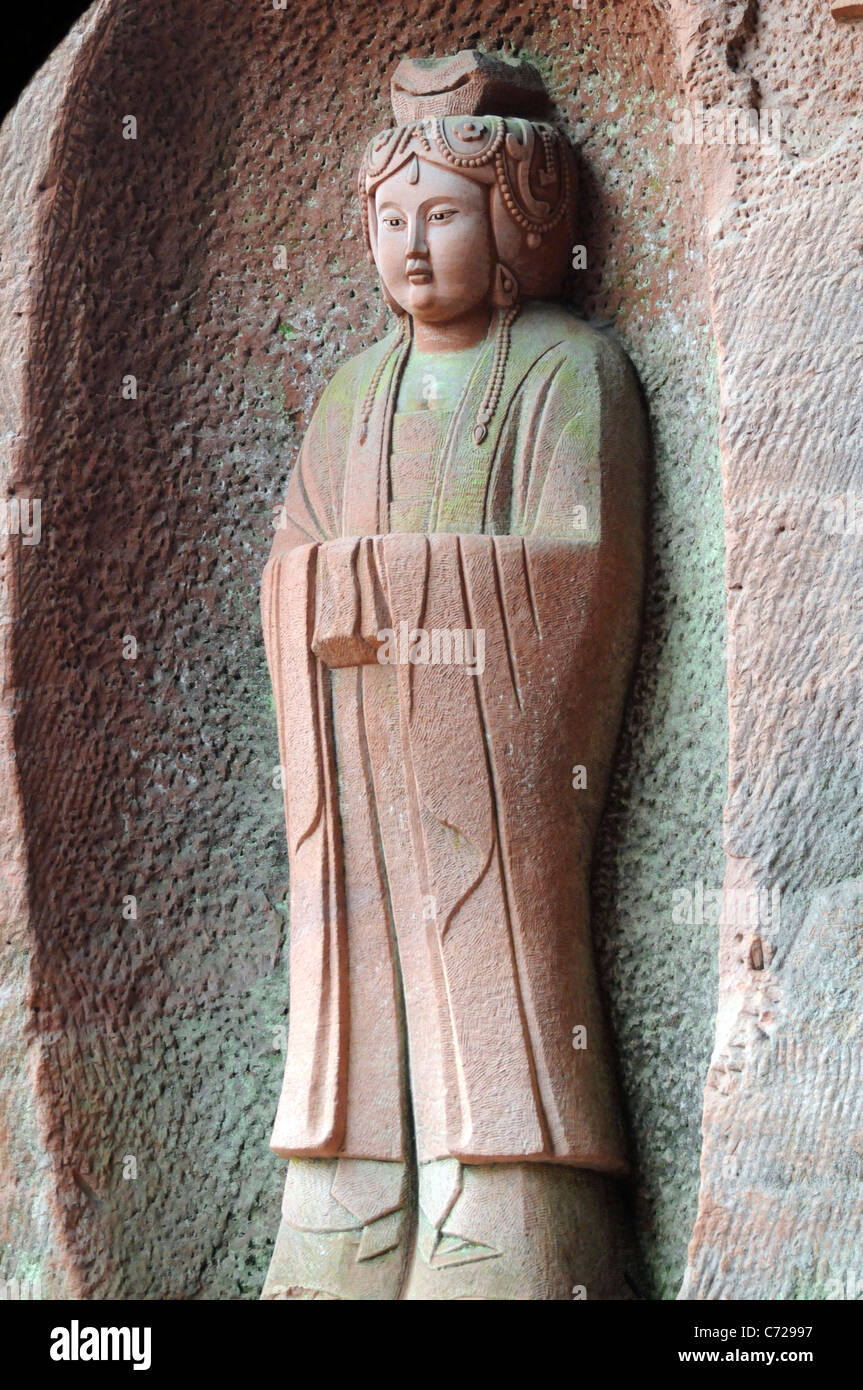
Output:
(451, 615)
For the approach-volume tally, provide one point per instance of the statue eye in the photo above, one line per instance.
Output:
(393, 221)
(441, 215)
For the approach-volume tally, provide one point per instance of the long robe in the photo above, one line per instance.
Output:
(439, 832)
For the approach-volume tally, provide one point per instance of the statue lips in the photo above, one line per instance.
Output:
(418, 273)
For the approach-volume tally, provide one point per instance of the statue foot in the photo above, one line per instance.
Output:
(510, 1231)
(342, 1231)
(535, 1231)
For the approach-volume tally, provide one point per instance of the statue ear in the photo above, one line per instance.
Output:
(504, 290)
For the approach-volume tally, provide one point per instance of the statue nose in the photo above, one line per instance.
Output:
(416, 246)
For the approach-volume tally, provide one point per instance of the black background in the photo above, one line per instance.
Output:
(35, 28)
(593, 1344)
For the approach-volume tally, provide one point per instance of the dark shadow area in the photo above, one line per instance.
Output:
(38, 31)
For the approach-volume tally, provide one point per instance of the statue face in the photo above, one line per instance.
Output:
(435, 251)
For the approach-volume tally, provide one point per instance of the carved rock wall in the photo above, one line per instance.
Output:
(217, 259)
(780, 1209)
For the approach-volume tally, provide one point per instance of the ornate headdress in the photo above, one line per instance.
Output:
(473, 113)
(468, 113)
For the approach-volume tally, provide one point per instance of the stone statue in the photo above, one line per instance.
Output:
(451, 611)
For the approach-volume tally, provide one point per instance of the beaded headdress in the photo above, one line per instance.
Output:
(468, 113)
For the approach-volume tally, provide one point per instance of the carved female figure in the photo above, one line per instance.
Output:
(451, 614)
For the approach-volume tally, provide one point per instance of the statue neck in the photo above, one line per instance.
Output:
(454, 336)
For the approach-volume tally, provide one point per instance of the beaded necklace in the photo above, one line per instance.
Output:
(485, 414)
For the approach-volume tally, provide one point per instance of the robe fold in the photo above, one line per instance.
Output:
(439, 833)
